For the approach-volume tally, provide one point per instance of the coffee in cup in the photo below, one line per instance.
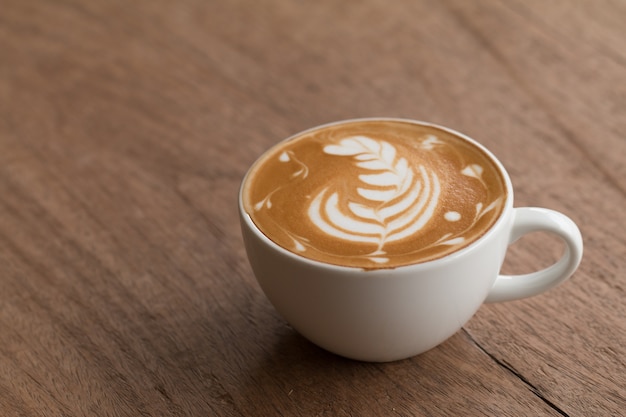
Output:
(377, 239)
(374, 193)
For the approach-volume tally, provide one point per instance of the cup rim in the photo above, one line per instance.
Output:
(508, 206)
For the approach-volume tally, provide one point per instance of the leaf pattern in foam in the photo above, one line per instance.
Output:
(390, 189)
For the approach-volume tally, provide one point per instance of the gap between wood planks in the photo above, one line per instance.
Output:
(508, 367)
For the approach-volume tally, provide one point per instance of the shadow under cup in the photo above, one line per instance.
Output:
(391, 313)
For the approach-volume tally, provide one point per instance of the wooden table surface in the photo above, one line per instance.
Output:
(125, 130)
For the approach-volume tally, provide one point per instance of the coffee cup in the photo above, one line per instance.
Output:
(378, 239)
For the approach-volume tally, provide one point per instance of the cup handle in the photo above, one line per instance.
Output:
(532, 219)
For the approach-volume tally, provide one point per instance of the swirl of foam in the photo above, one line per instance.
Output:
(398, 201)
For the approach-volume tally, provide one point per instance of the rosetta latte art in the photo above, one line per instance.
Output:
(402, 194)
(400, 199)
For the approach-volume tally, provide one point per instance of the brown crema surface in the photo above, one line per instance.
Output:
(374, 193)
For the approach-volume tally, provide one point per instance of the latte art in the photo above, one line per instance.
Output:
(398, 201)
(374, 193)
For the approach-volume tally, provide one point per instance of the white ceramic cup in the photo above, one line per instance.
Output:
(390, 314)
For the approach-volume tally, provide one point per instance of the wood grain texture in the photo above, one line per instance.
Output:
(125, 129)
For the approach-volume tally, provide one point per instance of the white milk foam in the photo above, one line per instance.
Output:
(400, 202)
